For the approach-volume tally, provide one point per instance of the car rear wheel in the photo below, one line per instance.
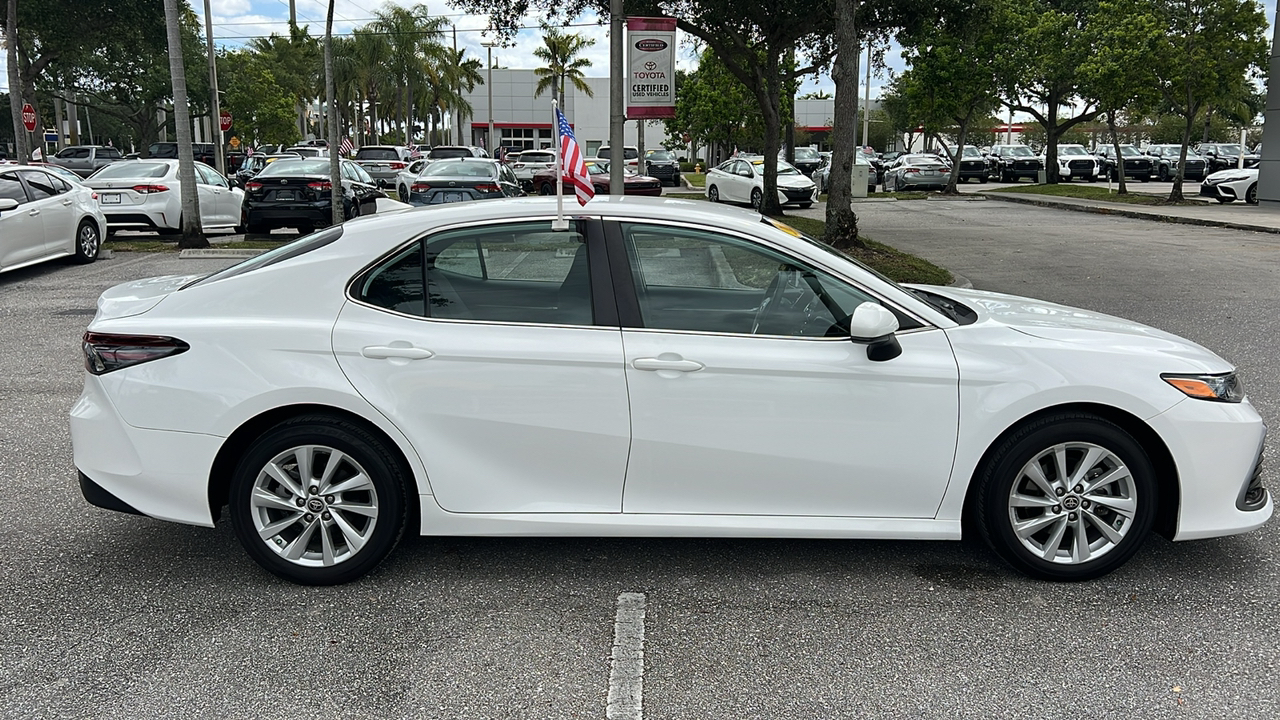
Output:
(88, 241)
(757, 199)
(1067, 497)
(318, 501)
(1251, 195)
(545, 189)
(713, 194)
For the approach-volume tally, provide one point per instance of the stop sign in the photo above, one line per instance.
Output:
(28, 117)
(224, 121)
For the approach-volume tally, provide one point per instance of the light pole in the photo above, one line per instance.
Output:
(488, 46)
(215, 110)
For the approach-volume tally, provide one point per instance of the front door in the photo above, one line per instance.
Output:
(483, 346)
(748, 397)
(21, 229)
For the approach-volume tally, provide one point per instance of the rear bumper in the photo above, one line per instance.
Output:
(282, 214)
(157, 473)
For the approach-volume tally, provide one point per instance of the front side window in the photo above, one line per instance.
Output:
(522, 273)
(11, 188)
(696, 280)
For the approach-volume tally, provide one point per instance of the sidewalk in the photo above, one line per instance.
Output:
(1237, 216)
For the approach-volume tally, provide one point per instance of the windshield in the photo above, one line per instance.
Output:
(377, 154)
(448, 152)
(1071, 150)
(1229, 149)
(597, 168)
(1016, 151)
(132, 170)
(460, 168)
(296, 167)
(971, 152)
(783, 168)
(661, 156)
(805, 153)
(1129, 151)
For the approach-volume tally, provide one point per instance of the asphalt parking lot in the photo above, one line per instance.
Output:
(110, 615)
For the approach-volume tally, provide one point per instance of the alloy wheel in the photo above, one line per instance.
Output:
(1072, 503)
(88, 240)
(314, 506)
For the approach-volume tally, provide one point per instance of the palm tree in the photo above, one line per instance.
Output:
(413, 39)
(448, 86)
(192, 228)
(559, 52)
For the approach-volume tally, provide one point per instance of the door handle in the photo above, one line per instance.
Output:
(67, 202)
(34, 213)
(382, 352)
(661, 364)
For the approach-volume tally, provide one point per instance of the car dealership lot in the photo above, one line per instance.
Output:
(111, 615)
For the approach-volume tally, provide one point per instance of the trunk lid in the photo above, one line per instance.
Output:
(139, 296)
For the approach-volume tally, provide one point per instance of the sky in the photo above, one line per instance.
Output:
(235, 22)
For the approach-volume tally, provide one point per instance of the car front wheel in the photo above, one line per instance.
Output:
(713, 194)
(318, 501)
(1251, 195)
(757, 199)
(1067, 497)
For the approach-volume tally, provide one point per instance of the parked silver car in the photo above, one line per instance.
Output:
(917, 171)
(383, 162)
(83, 160)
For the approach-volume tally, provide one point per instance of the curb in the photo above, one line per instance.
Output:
(956, 198)
(216, 253)
(1121, 212)
(960, 281)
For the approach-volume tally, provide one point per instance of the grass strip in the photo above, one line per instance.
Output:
(1091, 192)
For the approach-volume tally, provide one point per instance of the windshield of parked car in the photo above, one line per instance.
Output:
(377, 154)
(132, 170)
(1229, 149)
(783, 168)
(460, 168)
(295, 167)
(971, 152)
(595, 168)
(805, 153)
(449, 152)
(660, 156)
(1071, 150)
(1016, 151)
(530, 156)
(1129, 151)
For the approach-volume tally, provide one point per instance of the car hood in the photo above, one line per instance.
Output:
(139, 296)
(1051, 321)
(794, 181)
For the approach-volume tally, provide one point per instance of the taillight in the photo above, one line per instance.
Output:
(397, 166)
(253, 186)
(419, 187)
(150, 189)
(519, 165)
(105, 352)
(320, 185)
(488, 188)
(912, 170)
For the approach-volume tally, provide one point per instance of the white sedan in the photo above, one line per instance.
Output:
(662, 368)
(741, 180)
(146, 195)
(43, 217)
(1232, 184)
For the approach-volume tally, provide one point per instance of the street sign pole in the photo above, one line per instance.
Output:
(215, 112)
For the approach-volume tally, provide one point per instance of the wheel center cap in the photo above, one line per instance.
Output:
(315, 505)
(1071, 502)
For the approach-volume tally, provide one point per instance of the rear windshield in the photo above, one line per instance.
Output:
(532, 157)
(377, 154)
(456, 168)
(163, 150)
(296, 167)
(448, 152)
(132, 170)
(298, 247)
(628, 153)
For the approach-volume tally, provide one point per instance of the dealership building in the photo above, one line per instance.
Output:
(521, 120)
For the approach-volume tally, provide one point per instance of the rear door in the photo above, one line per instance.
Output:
(495, 349)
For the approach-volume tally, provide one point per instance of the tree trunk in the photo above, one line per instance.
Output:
(20, 149)
(192, 228)
(1115, 144)
(1051, 142)
(1175, 195)
(842, 221)
(769, 204)
(959, 153)
(336, 192)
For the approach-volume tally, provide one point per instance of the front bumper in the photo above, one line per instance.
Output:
(1221, 191)
(1216, 448)
(157, 473)
(787, 196)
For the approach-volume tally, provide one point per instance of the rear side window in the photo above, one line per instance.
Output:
(41, 185)
(377, 154)
(398, 284)
(109, 154)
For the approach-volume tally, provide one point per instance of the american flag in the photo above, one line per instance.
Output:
(346, 147)
(573, 164)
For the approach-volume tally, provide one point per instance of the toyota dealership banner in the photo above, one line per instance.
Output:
(651, 68)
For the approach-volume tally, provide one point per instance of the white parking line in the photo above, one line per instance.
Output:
(626, 666)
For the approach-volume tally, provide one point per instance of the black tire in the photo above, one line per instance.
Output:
(1251, 195)
(1145, 177)
(1163, 173)
(389, 495)
(88, 242)
(757, 200)
(995, 516)
(545, 189)
(402, 194)
(713, 194)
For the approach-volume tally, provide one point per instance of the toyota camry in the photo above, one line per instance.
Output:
(661, 368)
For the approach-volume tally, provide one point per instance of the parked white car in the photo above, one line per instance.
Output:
(1076, 163)
(1232, 184)
(470, 369)
(740, 180)
(530, 163)
(43, 217)
(405, 178)
(146, 195)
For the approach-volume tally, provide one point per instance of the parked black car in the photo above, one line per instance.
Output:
(972, 164)
(807, 160)
(1223, 156)
(1166, 160)
(256, 163)
(662, 165)
(1010, 163)
(1136, 164)
(296, 193)
(204, 152)
(461, 180)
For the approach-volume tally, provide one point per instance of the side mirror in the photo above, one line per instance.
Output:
(7, 204)
(875, 325)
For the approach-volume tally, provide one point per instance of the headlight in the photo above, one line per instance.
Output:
(1220, 388)
(1233, 178)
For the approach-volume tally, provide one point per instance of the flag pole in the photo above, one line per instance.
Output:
(559, 223)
